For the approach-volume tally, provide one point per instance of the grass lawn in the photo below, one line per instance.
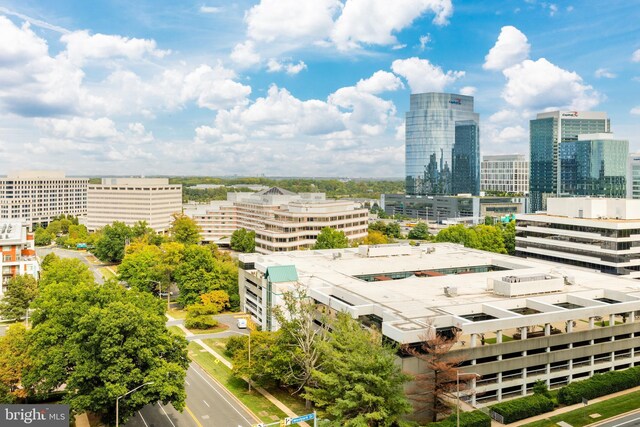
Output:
(177, 313)
(257, 403)
(221, 327)
(608, 408)
(106, 273)
(218, 345)
(176, 330)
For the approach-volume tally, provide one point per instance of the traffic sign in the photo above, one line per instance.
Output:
(303, 418)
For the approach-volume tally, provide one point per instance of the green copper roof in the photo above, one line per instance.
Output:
(282, 273)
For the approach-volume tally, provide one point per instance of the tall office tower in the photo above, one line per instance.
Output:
(466, 158)
(633, 176)
(430, 139)
(595, 165)
(507, 173)
(546, 133)
(37, 197)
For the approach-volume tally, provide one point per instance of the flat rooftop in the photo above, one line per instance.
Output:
(466, 295)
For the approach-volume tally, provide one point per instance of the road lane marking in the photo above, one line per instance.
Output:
(192, 416)
(187, 382)
(142, 418)
(221, 395)
(165, 413)
(205, 402)
(626, 422)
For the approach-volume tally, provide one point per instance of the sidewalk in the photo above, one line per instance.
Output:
(572, 408)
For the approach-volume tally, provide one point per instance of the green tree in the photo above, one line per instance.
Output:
(21, 291)
(54, 228)
(216, 300)
(393, 230)
(375, 238)
(100, 341)
(270, 362)
(110, 245)
(378, 226)
(143, 269)
(48, 259)
(331, 239)
(490, 238)
(419, 232)
(185, 230)
(42, 237)
(201, 272)
(509, 237)
(64, 270)
(14, 362)
(359, 383)
(243, 241)
(458, 234)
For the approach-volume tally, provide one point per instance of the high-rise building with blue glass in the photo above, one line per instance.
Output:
(546, 133)
(442, 145)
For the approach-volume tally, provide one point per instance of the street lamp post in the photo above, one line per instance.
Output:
(127, 393)
(475, 375)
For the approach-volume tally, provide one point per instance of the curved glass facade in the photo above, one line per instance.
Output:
(430, 141)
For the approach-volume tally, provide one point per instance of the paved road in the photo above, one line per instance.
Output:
(65, 253)
(626, 421)
(208, 405)
(227, 319)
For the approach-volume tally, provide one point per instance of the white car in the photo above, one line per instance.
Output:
(242, 323)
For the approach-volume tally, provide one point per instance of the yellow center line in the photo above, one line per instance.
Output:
(193, 416)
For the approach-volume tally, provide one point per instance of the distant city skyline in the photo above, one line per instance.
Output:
(295, 87)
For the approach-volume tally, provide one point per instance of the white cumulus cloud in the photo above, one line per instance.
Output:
(468, 90)
(537, 85)
(511, 48)
(423, 76)
(82, 46)
(380, 81)
(635, 111)
(79, 128)
(604, 73)
(374, 21)
(245, 55)
(635, 57)
(275, 66)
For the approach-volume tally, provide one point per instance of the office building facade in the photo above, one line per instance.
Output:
(18, 252)
(546, 133)
(520, 320)
(633, 176)
(595, 165)
(440, 128)
(131, 200)
(37, 197)
(451, 208)
(505, 174)
(281, 219)
(598, 234)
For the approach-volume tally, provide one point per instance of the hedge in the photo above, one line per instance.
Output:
(467, 419)
(200, 322)
(525, 407)
(599, 385)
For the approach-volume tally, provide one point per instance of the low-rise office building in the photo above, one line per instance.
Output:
(37, 197)
(598, 234)
(18, 252)
(282, 220)
(451, 208)
(519, 320)
(131, 200)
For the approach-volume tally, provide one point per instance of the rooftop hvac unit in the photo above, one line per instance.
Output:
(451, 291)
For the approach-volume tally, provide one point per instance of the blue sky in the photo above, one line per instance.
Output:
(295, 87)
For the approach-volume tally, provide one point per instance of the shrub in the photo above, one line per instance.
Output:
(599, 385)
(196, 310)
(525, 407)
(200, 322)
(467, 419)
(234, 344)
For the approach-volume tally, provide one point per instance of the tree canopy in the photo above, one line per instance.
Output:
(499, 238)
(243, 240)
(419, 232)
(21, 291)
(185, 230)
(101, 341)
(331, 239)
(110, 246)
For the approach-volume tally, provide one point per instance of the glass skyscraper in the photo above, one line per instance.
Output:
(595, 165)
(439, 127)
(546, 133)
